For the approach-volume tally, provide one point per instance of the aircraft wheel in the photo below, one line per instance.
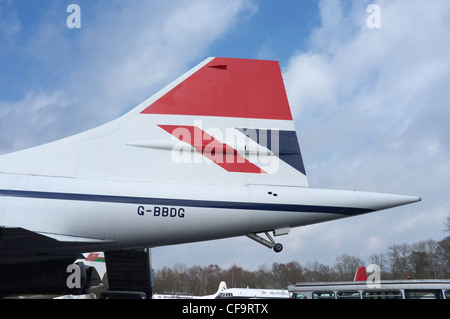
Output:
(278, 247)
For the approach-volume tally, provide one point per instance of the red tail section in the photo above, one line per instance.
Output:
(361, 274)
(95, 257)
(229, 88)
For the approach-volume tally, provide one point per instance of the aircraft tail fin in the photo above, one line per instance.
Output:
(96, 260)
(222, 287)
(361, 274)
(226, 121)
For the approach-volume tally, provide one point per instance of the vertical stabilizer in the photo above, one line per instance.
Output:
(226, 122)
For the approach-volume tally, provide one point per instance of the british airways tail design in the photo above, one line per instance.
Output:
(228, 112)
(213, 155)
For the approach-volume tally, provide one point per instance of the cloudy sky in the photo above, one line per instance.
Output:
(371, 105)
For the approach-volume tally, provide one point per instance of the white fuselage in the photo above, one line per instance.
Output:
(113, 214)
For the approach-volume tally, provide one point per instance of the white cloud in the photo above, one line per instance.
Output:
(123, 53)
(149, 43)
(36, 114)
(371, 107)
(371, 86)
(315, 88)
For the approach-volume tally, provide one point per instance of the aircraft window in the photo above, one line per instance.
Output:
(423, 294)
(382, 294)
(323, 295)
(348, 295)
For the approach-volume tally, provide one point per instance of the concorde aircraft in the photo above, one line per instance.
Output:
(213, 155)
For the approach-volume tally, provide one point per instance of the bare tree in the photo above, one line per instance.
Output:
(316, 271)
(425, 259)
(287, 274)
(444, 257)
(399, 260)
(346, 266)
(381, 260)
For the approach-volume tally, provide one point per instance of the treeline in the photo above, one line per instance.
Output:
(428, 259)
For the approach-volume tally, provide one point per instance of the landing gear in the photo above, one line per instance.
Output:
(277, 247)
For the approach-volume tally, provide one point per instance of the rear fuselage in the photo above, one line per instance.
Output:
(105, 215)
